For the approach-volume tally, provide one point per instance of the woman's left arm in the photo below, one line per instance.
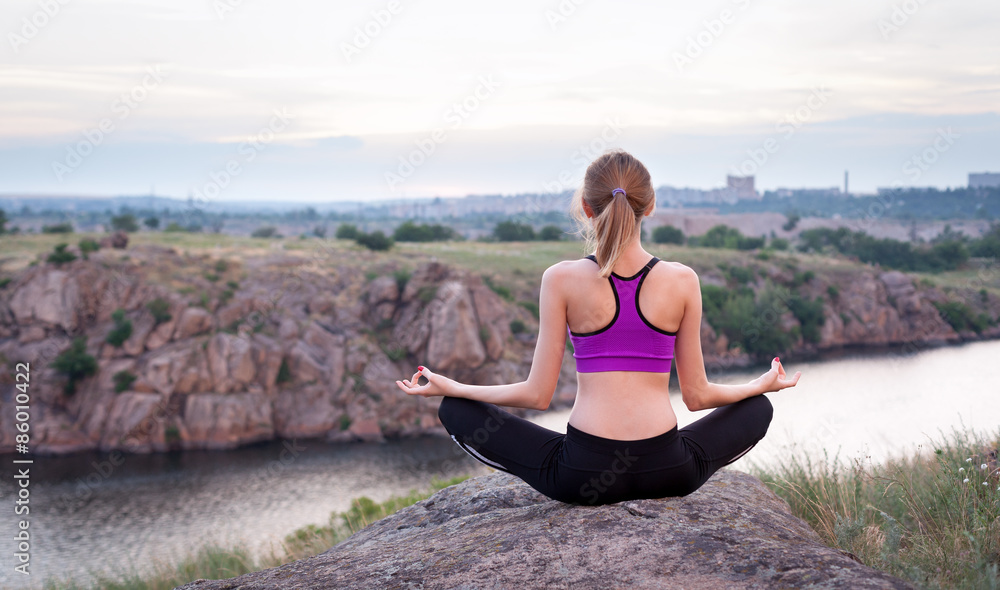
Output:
(537, 391)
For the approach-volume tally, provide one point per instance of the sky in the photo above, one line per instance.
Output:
(315, 101)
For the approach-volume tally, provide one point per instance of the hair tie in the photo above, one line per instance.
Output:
(618, 190)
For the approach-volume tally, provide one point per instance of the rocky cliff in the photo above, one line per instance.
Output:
(496, 532)
(224, 351)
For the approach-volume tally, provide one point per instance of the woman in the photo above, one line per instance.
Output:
(628, 315)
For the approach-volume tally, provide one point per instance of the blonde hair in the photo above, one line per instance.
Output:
(616, 218)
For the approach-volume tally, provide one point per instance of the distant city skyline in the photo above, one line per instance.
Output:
(232, 100)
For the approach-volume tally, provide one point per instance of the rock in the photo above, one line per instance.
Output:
(366, 430)
(49, 296)
(493, 318)
(230, 362)
(454, 341)
(305, 412)
(135, 344)
(193, 321)
(136, 423)
(496, 532)
(213, 421)
(118, 240)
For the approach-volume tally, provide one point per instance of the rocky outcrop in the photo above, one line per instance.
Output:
(496, 532)
(285, 345)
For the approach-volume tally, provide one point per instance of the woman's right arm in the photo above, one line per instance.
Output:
(696, 390)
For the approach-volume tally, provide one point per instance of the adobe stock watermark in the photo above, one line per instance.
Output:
(786, 127)
(247, 152)
(711, 30)
(32, 25)
(366, 33)
(581, 158)
(455, 116)
(224, 8)
(899, 16)
(121, 109)
(562, 12)
(913, 168)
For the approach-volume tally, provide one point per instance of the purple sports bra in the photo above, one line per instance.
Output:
(629, 342)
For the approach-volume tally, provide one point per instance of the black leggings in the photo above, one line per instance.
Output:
(581, 468)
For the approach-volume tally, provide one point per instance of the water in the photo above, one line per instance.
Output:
(90, 514)
(868, 407)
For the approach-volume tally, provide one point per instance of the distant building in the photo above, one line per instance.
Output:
(742, 186)
(984, 179)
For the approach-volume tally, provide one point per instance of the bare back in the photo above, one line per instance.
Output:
(623, 405)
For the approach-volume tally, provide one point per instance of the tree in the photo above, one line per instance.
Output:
(60, 255)
(550, 233)
(87, 246)
(125, 222)
(59, 228)
(347, 231)
(375, 240)
(668, 234)
(75, 364)
(265, 231)
(513, 231)
(122, 330)
(152, 222)
(3, 221)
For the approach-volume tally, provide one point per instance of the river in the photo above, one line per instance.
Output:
(90, 514)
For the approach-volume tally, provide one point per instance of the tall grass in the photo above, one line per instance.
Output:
(932, 518)
(216, 562)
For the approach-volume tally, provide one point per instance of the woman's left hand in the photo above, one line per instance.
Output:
(436, 384)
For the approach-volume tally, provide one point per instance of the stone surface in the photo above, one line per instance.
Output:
(496, 532)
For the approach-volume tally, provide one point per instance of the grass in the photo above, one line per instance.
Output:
(214, 562)
(932, 518)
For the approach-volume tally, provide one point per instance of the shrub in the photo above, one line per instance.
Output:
(123, 380)
(723, 236)
(375, 241)
(833, 291)
(668, 234)
(284, 373)
(122, 330)
(500, 290)
(160, 310)
(530, 306)
(75, 364)
(513, 231)
(810, 315)
(151, 222)
(517, 326)
(87, 246)
(779, 243)
(125, 222)
(60, 255)
(550, 233)
(59, 228)
(347, 231)
(266, 231)
(5, 281)
(402, 277)
(409, 231)
(961, 317)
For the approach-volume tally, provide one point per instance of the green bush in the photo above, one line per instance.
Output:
(266, 231)
(961, 317)
(409, 231)
(59, 228)
(530, 306)
(752, 322)
(151, 222)
(402, 277)
(160, 310)
(284, 372)
(60, 255)
(347, 231)
(550, 233)
(375, 240)
(74, 363)
(513, 231)
(779, 244)
(810, 315)
(517, 326)
(5, 281)
(123, 380)
(668, 234)
(500, 290)
(833, 291)
(723, 236)
(122, 330)
(125, 222)
(87, 246)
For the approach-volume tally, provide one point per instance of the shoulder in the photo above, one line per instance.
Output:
(675, 272)
(565, 269)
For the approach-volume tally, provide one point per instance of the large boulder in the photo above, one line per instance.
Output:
(496, 532)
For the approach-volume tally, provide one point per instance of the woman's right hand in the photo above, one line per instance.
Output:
(776, 379)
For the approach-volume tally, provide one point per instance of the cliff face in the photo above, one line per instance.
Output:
(496, 532)
(281, 345)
